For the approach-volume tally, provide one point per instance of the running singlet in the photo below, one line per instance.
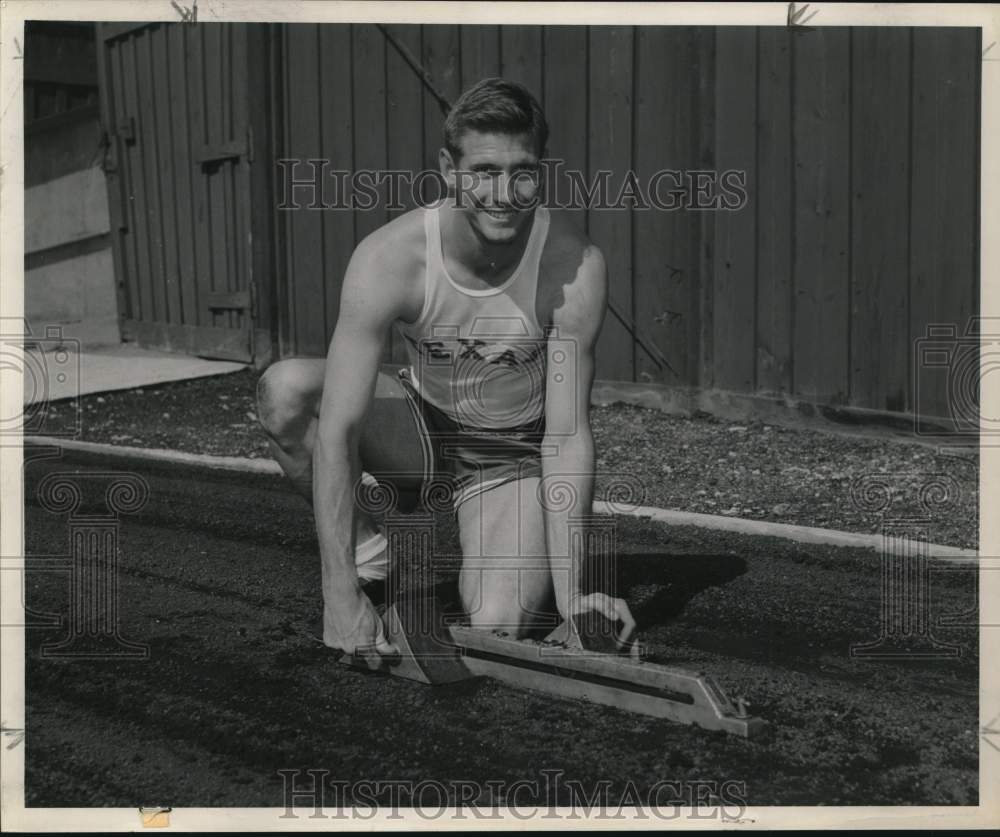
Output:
(479, 355)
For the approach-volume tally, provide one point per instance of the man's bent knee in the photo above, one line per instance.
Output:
(495, 620)
(510, 617)
(286, 399)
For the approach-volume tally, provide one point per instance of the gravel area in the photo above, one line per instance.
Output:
(699, 464)
(805, 477)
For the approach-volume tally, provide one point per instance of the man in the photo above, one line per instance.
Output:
(500, 303)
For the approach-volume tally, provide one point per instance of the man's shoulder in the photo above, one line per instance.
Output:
(570, 257)
(389, 263)
(566, 239)
(573, 274)
(396, 248)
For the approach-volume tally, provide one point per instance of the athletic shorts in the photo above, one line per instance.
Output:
(466, 461)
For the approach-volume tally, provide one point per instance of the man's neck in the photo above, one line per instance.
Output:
(492, 263)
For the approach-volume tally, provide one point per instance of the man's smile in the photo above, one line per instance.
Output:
(503, 215)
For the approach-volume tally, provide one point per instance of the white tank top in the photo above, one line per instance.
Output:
(479, 355)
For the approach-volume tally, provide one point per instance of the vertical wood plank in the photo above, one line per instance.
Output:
(880, 170)
(945, 188)
(610, 129)
(566, 111)
(404, 112)
(735, 249)
(284, 280)
(234, 252)
(180, 130)
(369, 96)
(664, 252)
(821, 154)
(263, 102)
(239, 97)
(404, 115)
(161, 94)
(703, 337)
(135, 152)
(480, 48)
(700, 73)
(201, 218)
(774, 209)
(215, 59)
(370, 129)
(440, 47)
(305, 241)
(521, 56)
(228, 172)
(340, 94)
(109, 85)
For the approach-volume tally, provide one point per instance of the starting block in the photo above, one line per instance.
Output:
(577, 660)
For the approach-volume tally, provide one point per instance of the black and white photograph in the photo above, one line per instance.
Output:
(443, 415)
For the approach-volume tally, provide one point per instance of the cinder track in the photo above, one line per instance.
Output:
(219, 577)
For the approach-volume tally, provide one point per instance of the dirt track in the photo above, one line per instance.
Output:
(219, 578)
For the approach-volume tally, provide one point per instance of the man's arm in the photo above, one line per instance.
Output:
(570, 472)
(367, 312)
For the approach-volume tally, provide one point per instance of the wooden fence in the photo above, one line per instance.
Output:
(862, 153)
(860, 149)
(857, 151)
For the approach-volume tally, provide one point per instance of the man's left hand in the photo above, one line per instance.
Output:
(614, 609)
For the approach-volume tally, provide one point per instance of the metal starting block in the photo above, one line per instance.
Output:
(575, 661)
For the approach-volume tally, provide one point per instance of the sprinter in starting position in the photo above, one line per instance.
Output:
(500, 303)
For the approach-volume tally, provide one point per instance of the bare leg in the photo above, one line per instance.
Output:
(505, 581)
(288, 399)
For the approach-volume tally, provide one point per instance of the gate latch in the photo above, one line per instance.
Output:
(220, 152)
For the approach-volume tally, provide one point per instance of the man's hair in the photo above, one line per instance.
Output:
(498, 106)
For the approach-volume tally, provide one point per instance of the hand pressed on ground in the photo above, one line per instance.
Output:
(353, 626)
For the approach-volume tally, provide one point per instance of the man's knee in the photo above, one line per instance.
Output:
(502, 617)
(286, 399)
(514, 612)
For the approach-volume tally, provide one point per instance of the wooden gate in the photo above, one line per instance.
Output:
(174, 100)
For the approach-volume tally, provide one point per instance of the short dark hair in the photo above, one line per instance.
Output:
(495, 105)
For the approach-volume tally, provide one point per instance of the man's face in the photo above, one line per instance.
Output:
(496, 180)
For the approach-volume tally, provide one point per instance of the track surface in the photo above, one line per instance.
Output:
(219, 578)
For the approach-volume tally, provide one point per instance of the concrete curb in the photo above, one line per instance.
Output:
(757, 528)
(161, 455)
(765, 528)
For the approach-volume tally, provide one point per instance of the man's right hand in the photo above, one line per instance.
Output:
(353, 625)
